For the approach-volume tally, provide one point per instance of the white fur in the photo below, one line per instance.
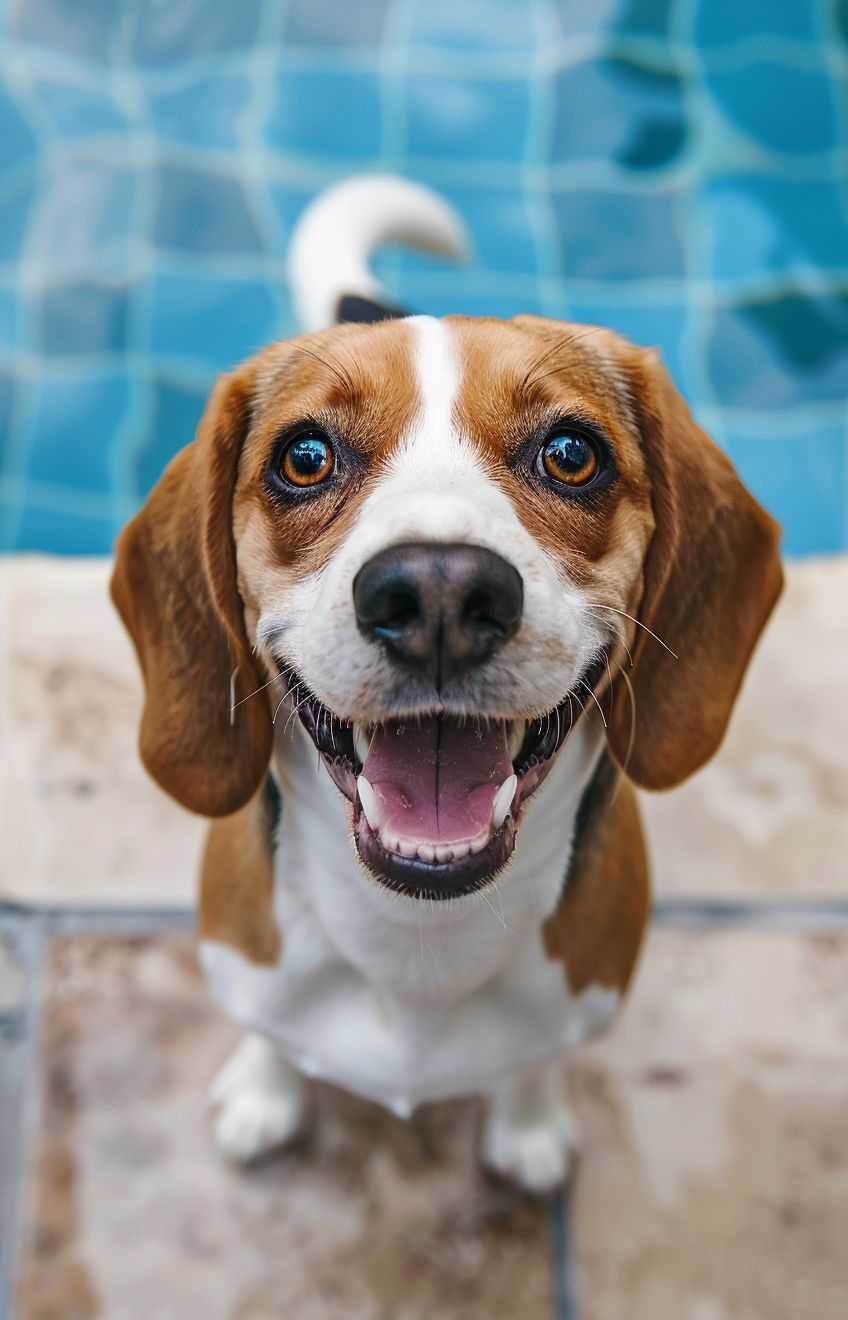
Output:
(260, 1101)
(530, 1134)
(395, 999)
(399, 1001)
(436, 488)
(337, 233)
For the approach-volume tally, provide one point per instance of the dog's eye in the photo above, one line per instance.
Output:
(308, 460)
(570, 458)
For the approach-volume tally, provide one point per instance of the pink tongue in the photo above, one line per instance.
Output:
(436, 780)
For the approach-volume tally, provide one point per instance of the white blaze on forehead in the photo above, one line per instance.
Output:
(433, 443)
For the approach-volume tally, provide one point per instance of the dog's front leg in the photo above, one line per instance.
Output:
(529, 1134)
(260, 1099)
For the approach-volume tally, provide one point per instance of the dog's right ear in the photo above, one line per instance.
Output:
(175, 587)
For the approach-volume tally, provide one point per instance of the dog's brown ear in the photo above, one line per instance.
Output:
(175, 587)
(712, 575)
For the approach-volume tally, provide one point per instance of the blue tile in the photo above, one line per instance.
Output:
(650, 18)
(471, 26)
(504, 304)
(359, 24)
(15, 204)
(618, 236)
(719, 24)
(7, 397)
(802, 480)
(87, 30)
(217, 321)
(17, 139)
(653, 325)
(577, 17)
(202, 212)
(780, 351)
(336, 114)
(615, 108)
(83, 318)
(764, 99)
(183, 29)
(80, 225)
(79, 110)
(205, 113)
(479, 119)
(73, 420)
(9, 317)
(286, 204)
(501, 224)
(761, 223)
(99, 197)
(62, 530)
(177, 409)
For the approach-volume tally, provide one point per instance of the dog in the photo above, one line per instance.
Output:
(421, 604)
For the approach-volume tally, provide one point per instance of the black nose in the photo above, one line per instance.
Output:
(438, 609)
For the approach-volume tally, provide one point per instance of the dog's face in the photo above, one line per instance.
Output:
(439, 540)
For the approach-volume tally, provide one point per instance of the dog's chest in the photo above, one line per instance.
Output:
(397, 1000)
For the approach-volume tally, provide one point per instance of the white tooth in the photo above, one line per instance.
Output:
(503, 801)
(477, 845)
(426, 852)
(517, 730)
(444, 853)
(407, 847)
(370, 806)
(361, 742)
(461, 850)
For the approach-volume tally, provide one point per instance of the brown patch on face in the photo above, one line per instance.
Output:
(596, 929)
(237, 885)
(356, 382)
(519, 379)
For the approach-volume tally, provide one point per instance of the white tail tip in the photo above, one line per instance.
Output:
(336, 235)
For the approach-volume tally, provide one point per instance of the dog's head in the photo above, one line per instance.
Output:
(439, 541)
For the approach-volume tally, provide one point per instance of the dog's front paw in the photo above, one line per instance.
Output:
(530, 1136)
(260, 1101)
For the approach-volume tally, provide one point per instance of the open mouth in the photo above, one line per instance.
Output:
(437, 799)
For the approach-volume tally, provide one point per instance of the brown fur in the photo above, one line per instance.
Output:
(596, 929)
(676, 541)
(712, 577)
(237, 885)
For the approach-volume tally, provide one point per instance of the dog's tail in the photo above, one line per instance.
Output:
(329, 252)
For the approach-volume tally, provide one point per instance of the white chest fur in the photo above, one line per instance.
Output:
(404, 1001)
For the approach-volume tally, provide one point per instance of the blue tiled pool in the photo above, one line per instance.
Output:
(677, 169)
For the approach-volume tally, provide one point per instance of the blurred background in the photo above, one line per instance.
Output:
(675, 169)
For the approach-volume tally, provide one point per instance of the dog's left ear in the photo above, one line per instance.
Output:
(175, 587)
(712, 576)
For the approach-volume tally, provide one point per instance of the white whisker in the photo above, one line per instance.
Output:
(595, 699)
(488, 905)
(259, 689)
(594, 604)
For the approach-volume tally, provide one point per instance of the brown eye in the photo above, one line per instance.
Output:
(308, 461)
(570, 458)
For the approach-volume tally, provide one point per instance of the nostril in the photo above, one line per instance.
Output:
(482, 610)
(397, 610)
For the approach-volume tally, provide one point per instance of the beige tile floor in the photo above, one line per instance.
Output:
(714, 1179)
(82, 823)
(713, 1183)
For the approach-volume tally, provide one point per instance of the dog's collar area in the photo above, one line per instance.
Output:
(437, 800)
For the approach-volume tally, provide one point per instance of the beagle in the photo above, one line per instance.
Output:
(419, 606)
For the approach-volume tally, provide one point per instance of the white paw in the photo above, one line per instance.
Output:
(251, 1124)
(539, 1156)
(260, 1100)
